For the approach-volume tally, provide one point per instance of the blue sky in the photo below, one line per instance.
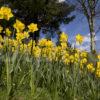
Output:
(80, 25)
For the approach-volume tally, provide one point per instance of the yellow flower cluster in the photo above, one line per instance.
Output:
(45, 43)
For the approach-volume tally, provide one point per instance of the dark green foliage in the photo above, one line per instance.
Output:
(48, 14)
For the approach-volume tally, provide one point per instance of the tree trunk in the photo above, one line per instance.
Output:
(92, 35)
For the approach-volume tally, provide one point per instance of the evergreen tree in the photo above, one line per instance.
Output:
(48, 14)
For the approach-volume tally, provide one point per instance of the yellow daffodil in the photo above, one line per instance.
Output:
(32, 27)
(65, 58)
(36, 52)
(72, 58)
(19, 26)
(98, 65)
(63, 37)
(98, 73)
(98, 69)
(77, 55)
(49, 43)
(19, 36)
(98, 56)
(8, 32)
(1, 39)
(23, 48)
(64, 45)
(22, 35)
(83, 54)
(90, 67)
(5, 13)
(25, 34)
(42, 42)
(83, 61)
(79, 38)
(66, 61)
(31, 42)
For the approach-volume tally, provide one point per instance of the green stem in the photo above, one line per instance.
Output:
(32, 81)
(8, 78)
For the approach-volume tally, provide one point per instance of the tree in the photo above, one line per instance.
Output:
(48, 14)
(90, 8)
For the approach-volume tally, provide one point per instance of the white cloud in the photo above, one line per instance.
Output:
(87, 38)
(84, 47)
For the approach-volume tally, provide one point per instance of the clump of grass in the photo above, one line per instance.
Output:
(39, 79)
